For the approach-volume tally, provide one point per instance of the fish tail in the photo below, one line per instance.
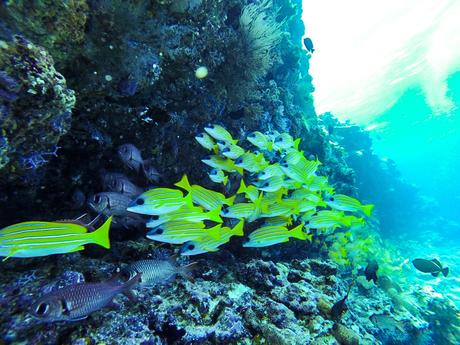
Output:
(225, 181)
(186, 271)
(298, 233)
(445, 271)
(127, 287)
(230, 201)
(101, 235)
(239, 170)
(367, 209)
(296, 143)
(184, 183)
(215, 149)
(214, 215)
(242, 189)
(238, 229)
(270, 146)
(188, 200)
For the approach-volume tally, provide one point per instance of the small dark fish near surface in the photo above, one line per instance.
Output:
(76, 302)
(159, 271)
(370, 272)
(430, 266)
(131, 156)
(110, 203)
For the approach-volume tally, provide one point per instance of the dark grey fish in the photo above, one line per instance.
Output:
(371, 271)
(159, 271)
(130, 156)
(340, 307)
(123, 185)
(430, 266)
(78, 199)
(131, 221)
(150, 172)
(110, 203)
(76, 302)
(108, 178)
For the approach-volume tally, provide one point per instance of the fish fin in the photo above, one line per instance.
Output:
(309, 237)
(346, 221)
(367, 209)
(436, 261)
(214, 232)
(239, 170)
(214, 215)
(184, 183)
(76, 249)
(78, 318)
(215, 149)
(270, 146)
(229, 201)
(242, 188)
(10, 254)
(186, 271)
(238, 228)
(127, 288)
(101, 235)
(188, 200)
(445, 271)
(435, 274)
(173, 258)
(225, 181)
(298, 233)
(296, 143)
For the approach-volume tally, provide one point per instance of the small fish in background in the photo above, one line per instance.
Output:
(308, 44)
(220, 133)
(131, 156)
(232, 151)
(206, 141)
(78, 199)
(110, 203)
(430, 266)
(346, 203)
(121, 184)
(218, 176)
(150, 172)
(260, 140)
(159, 201)
(37, 238)
(76, 302)
(130, 221)
(370, 272)
(158, 271)
(387, 322)
(270, 235)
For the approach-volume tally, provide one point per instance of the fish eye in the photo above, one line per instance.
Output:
(42, 309)
(307, 222)
(285, 165)
(279, 139)
(211, 126)
(155, 217)
(252, 135)
(159, 231)
(207, 158)
(225, 210)
(140, 201)
(200, 135)
(315, 214)
(262, 173)
(331, 198)
(191, 247)
(227, 149)
(239, 161)
(266, 184)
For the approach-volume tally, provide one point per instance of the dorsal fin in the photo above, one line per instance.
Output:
(436, 261)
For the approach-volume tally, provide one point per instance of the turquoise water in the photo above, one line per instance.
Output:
(425, 146)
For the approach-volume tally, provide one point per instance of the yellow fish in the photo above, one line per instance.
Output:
(36, 238)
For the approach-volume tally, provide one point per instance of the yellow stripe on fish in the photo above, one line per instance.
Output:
(36, 238)
(270, 235)
(207, 198)
(159, 201)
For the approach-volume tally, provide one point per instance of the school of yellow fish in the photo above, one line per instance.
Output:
(282, 192)
(285, 195)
